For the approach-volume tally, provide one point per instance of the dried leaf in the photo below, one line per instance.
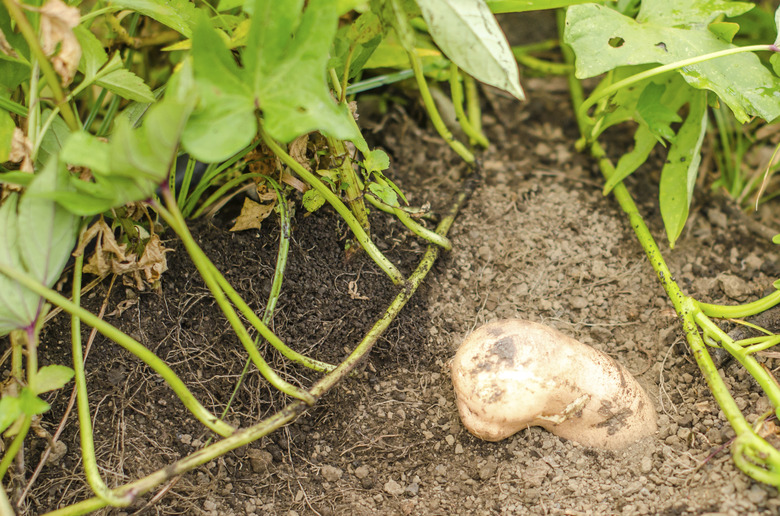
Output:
(21, 150)
(294, 182)
(6, 47)
(252, 215)
(153, 262)
(57, 24)
(298, 149)
(112, 257)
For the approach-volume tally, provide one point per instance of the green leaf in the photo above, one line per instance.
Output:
(124, 83)
(357, 43)
(644, 142)
(53, 140)
(776, 239)
(93, 56)
(775, 62)
(376, 160)
(655, 114)
(224, 122)
(668, 31)
(31, 404)
(84, 150)
(39, 236)
(724, 30)
(180, 15)
(678, 177)
(385, 193)
(519, 6)
(468, 34)
(51, 377)
(313, 200)
(47, 232)
(285, 58)
(132, 165)
(10, 410)
(6, 135)
(110, 74)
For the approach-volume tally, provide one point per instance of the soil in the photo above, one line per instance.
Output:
(537, 241)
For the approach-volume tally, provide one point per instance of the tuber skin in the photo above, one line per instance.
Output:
(513, 374)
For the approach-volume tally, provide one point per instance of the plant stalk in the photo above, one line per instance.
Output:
(296, 408)
(360, 235)
(127, 342)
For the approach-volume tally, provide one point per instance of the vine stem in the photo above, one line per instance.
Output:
(215, 282)
(433, 113)
(360, 235)
(751, 453)
(127, 342)
(296, 408)
(456, 90)
(87, 442)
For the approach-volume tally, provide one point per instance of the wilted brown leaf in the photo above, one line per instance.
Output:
(21, 150)
(57, 23)
(112, 257)
(294, 182)
(6, 47)
(252, 215)
(298, 149)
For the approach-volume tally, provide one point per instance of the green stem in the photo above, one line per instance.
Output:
(214, 280)
(262, 325)
(210, 178)
(456, 90)
(472, 103)
(407, 220)
(14, 447)
(276, 285)
(751, 452)
(739, 311)
(433, 112)
(294, 409)
(349, 182)
(743, 355)
(542, 66)
(13, 107)
(127, 342)
(341, 209)
(52, 78)
(653, 72)
(761, 346)
(91, 470)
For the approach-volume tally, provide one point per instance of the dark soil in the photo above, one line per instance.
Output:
(537, 241)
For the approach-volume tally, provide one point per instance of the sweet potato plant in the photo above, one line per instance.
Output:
(121, 119)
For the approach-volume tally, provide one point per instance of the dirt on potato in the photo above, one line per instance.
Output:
(537, 240)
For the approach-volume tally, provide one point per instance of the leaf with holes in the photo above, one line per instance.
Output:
(667, 31)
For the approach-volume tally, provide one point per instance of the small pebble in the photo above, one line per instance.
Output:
(393, 488)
